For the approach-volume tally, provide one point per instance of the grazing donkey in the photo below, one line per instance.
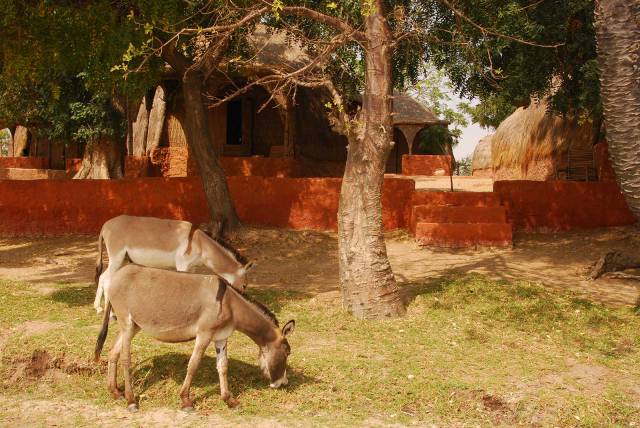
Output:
(178, 307)
(162, 243)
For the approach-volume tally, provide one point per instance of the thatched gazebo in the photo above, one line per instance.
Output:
(535, 144)
(411, 116)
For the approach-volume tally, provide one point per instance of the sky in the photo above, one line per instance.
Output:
(470, 137)
(471, 134)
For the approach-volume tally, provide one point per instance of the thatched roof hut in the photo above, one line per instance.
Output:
(534, 144)
(481, 162)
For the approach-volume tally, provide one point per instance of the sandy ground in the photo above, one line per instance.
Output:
(460, 183)
(306, 262)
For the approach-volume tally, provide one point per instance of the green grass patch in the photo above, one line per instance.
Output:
(470, 351)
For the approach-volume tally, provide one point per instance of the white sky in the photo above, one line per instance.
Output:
(471, 135)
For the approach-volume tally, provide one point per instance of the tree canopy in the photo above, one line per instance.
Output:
(56, 62)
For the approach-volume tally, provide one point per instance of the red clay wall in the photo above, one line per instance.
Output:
(426, 165)
(30, 162)
(563, 205)
(260, 166)
(82, 206)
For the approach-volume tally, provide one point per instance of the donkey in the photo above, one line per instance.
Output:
(179, 307)
(163, 243)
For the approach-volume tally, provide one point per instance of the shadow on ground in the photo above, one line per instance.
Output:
(241, 376)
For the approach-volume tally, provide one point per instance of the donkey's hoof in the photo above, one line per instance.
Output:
(232, 402)
(188, 409)
(116, 394)
(133, 408)
(99, 310)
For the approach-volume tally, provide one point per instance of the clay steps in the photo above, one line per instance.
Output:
(459, 220)
(464, 235)
(456, 214)
(466, 199)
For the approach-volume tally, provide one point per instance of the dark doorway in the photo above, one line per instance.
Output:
(234, 123)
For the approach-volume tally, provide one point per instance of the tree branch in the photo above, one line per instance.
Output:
(329, 20)
(484, 30)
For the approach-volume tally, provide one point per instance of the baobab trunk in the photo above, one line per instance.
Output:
(618, 37)
(102, 159)
(156, 120)
(213, 179)
(369, 289)
(140, 128)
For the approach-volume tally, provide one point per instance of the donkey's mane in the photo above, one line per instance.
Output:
(262, 308)
(258, 305)
(227, 246)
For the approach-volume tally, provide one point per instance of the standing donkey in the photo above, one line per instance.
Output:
(163, 243)
(178, 307)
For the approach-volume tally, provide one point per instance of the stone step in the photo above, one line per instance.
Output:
(464, 235)
(468, 199)
(456, 214)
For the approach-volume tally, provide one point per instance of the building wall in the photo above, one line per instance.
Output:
(430, 165)
(563, 205)
(539, 170)
(315, 141)
(82, 206)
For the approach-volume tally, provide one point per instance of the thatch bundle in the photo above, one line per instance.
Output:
(482, 154)
(533, 134)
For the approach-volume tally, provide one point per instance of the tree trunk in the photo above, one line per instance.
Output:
(140, 127)
(21, 141)
(369, 289)
(102, 160)
(618, 37)
(129, 118)
(156, 120)
(199, 140)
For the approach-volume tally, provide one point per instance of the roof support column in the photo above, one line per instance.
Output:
(410, 132)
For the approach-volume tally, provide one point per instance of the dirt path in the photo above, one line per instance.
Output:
(306, 262)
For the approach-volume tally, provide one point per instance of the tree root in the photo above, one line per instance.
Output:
(615, 261)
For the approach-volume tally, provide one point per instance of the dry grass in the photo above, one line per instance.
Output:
(532, 134)
(469, 352)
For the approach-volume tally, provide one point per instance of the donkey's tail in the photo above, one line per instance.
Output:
(103, 333)
(99, 259)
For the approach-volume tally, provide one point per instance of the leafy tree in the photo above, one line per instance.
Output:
(463, 166)
(435, 91)
(546, 48)
(55, 68)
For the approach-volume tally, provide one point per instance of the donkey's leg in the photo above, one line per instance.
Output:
(113, 267)
(100, 291)
(222, 366)
(129, 330)
(115, 263)
(202, 341)
(112, 372)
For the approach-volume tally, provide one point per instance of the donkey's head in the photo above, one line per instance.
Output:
(227, 262)
(273, 357)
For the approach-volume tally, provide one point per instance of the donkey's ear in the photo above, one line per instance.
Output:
(249, 266)
(288, 328)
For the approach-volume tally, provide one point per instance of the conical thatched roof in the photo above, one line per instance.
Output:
(532, 134)
(482, 154)
(409, 111)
